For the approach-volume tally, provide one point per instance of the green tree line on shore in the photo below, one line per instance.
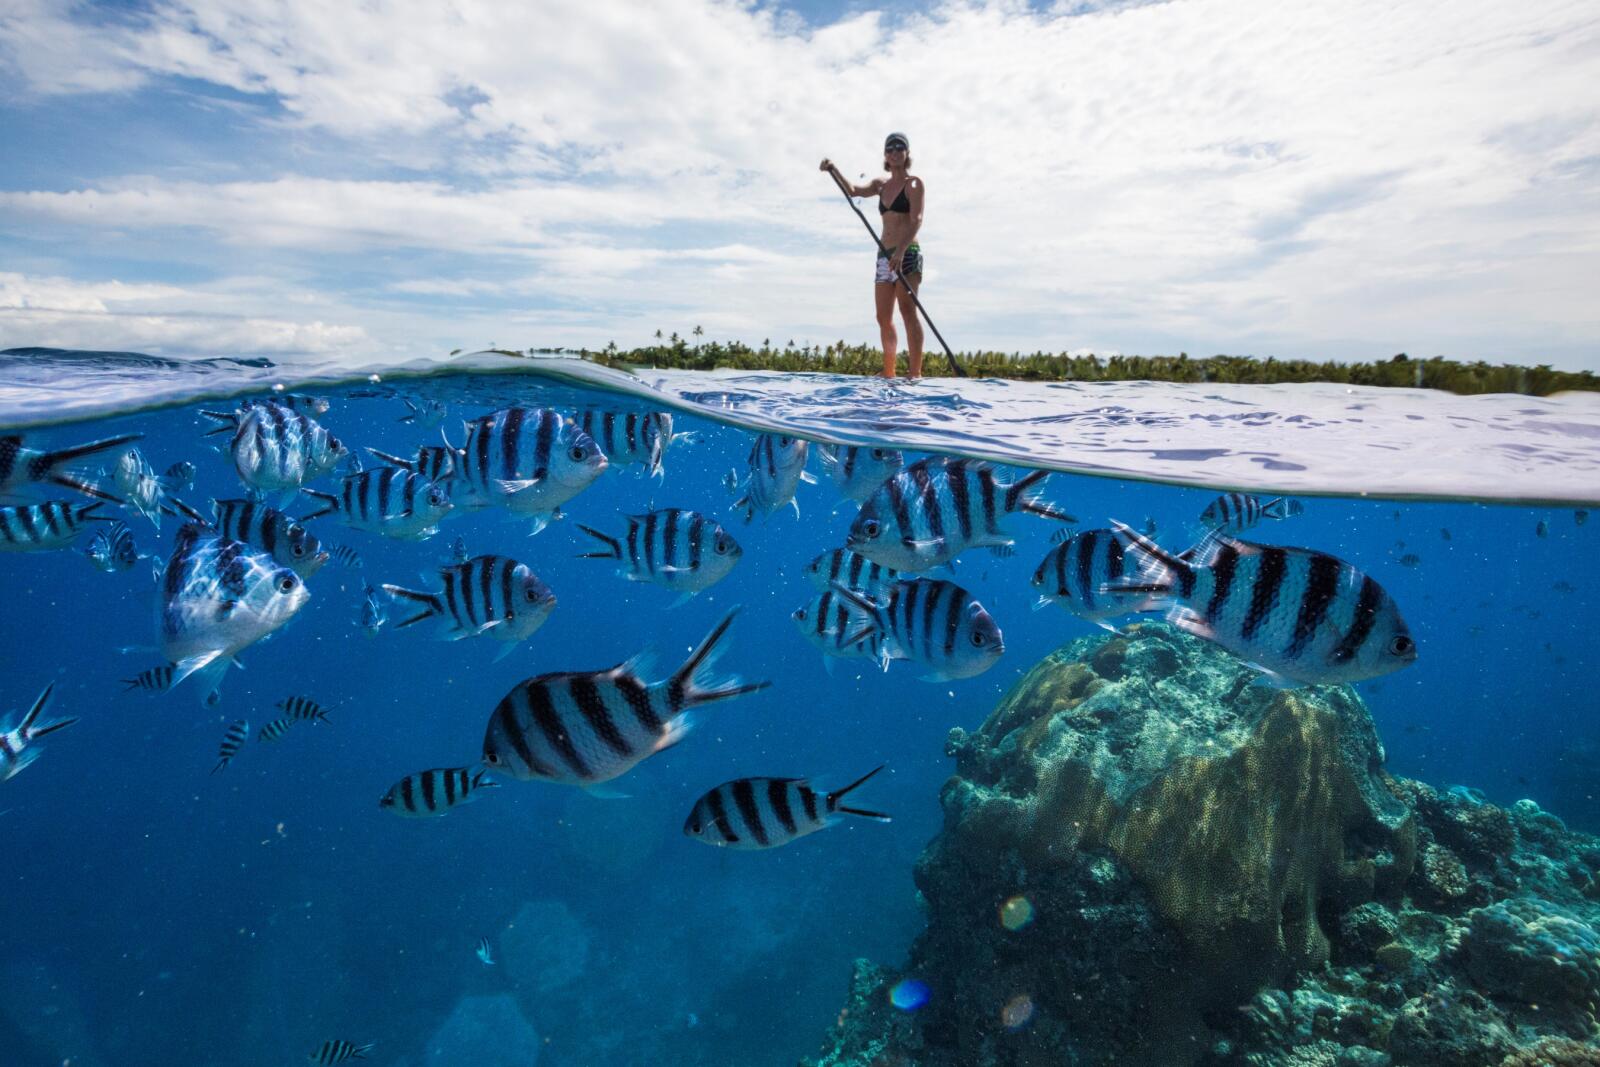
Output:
(840, 358)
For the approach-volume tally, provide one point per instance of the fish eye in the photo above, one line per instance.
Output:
(286, 584)
(870, 528)
(532, 594)
(492, 758)
(800, 614)
(880, 454)
(721, 546)
(298, 550)
(437, 496)
(785, 442)
(1402, 645)
(978, 639)
(577, 452)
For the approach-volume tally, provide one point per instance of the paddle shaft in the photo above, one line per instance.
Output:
(899, 275)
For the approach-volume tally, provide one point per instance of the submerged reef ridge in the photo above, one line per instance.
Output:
(1147, 858)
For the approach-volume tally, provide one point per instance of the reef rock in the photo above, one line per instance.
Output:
(488, 1031)
(1536, 952)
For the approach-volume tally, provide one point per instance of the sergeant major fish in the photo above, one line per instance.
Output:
(433, 462)
(587, 727)
(276, 729)
(389, 501)
(233, 740)
(1297, 615)
(1074, 572)
(849, 569)
(19, 744)
(1237, 512)
(858, 471)
(337, 1050)
(43, 527)
(492, 595)
(774, 470)
(276, 449)
(839, 628)
(303, 709)
(273, 532)
(149, 493)
(757, 813)
(531, 460)
(672, 547)
(935, 624)
(374, 612)
(938, 507)
(629, 438)
(113, 549)
(434, 792)
(428, 414)
(25, 469)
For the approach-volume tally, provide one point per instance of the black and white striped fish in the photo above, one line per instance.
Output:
(939, 507)
(756, 813)
(858, 470)
(43, 527)
(435, 792)
(935, 624)
(849, 569)
(840, 629)
(1237, 512)
(141, 488)
(531, 460)
(388, 500)
(347, 556)
(233, 739)
(273, 532)
(274, 730)
(491, 595)
(179, 478)
(304, 403)
(337, 1050)
(303, 709)
(630, 437)
(276, 448)
(1300, 616)
(19, 742)
(1074, 572)
(155, 679)
(433, 462)
(427, 414)
(113, 548)
(216, 597)
(679, 549)
(587, 727)
(24, 469)
(373, 614)
(774, 470)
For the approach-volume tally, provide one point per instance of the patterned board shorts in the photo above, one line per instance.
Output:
(912, 264)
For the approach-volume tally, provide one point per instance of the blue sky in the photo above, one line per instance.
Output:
(393, 179)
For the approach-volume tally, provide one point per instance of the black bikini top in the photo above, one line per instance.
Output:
(901, 205)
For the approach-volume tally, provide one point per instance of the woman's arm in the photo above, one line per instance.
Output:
(872, 188)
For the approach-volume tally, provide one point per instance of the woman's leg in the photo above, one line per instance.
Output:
(908, 312)
(883, 294)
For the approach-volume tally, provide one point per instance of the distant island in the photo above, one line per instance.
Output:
(841, 358)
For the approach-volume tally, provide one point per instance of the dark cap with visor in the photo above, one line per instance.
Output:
(896, 140)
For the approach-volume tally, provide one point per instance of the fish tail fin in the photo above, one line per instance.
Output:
(225, 420)
(51, 727)
(329, 502)
(393, 461)
(68, 480)
(1275, 508)
(690, 686)
(39, 704)
(431, 603)
(87, 511)
(62, 456)
(613, 546)
(173, 506)
(482, 780)
(834, 796)
(1023, 495)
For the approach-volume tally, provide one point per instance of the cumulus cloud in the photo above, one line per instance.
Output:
(1344, 177)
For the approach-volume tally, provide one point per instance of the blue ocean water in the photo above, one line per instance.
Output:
(160, 914)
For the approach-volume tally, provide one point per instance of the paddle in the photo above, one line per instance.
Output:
(845, 189)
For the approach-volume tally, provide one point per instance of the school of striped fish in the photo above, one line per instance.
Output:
(236, 575)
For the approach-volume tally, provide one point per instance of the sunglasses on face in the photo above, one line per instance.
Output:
(895, 148)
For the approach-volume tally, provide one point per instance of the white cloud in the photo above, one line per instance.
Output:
(1345, 177)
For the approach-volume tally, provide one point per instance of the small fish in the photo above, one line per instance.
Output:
(337, 1050)
(303, 709)
(374, 613)
(672, 547)
(140, 487)
(776, 467)
(155, 680)
(1580, 516)
(18, 746)
(492, 595)
(276, 448)
(428, 414)
(113, 549)
(935, 624)
(1299, 616)
(587, 727)
(232, 740)
(27, 468)
(857, 471)
(1542, 530)
(274, 730)
(178, 478)
(347, 556)
(839, 628)
(304, 403)
(757, 813)
(629, 438)
(530, 460)
(395, 503)
(1444, 533)
(1073, 573)
(849, 569)
(433, 462)
(458, 550)
(1237, 512)
(273, 532)
(937, 508)
(485, 953)
(730, 481)
(434, 792)
(1410, 559)
(44, 527)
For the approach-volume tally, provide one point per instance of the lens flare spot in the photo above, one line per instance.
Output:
(1016, 913)
(909, 994)
(1018, 1012)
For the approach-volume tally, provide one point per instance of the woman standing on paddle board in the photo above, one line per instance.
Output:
(900, 203)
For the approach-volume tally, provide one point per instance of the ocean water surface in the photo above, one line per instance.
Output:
(160, 913)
